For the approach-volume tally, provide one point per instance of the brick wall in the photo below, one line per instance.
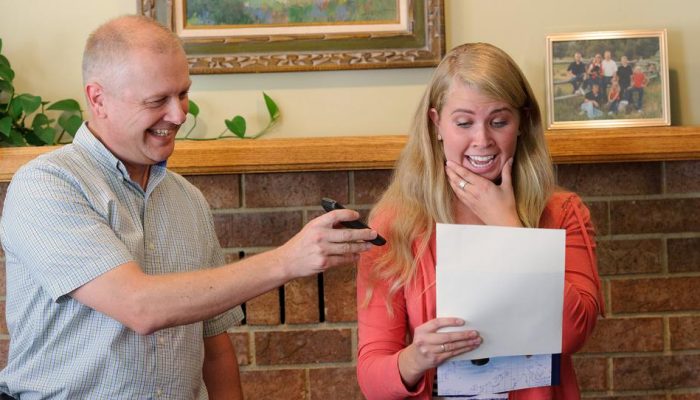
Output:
(299, 342)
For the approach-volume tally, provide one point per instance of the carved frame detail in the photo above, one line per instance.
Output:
(423, 47)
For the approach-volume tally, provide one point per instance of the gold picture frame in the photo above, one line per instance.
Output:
(607, 79)
(414, 39)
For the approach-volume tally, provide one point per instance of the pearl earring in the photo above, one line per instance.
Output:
(439, 138)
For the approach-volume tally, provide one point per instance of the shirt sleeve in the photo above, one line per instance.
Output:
(50, 226)
(583, 301)
(382, 335)
(233, 317)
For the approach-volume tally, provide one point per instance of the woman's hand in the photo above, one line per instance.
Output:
(430, 348)
(493, 204)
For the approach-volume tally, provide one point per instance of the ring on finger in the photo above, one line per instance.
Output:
(442, 346)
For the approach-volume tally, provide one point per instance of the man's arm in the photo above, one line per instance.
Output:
(147, 303)
(220, 369)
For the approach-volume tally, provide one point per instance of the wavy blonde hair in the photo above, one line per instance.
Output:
(419, 194)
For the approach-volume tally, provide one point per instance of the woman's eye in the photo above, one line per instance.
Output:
(464, 124)
(499, 123)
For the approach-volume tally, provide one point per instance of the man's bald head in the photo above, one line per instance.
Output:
(109, 47)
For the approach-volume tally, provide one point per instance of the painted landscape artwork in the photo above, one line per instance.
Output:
(237, 36)
(288, 12)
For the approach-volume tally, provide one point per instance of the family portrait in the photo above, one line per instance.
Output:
(607, 81)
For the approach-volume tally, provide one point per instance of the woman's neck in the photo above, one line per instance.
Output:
(465, 215)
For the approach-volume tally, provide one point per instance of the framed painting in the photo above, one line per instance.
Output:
(607, 79)
(234, 36)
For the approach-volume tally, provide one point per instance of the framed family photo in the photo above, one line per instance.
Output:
(233, 36)
(607, 79)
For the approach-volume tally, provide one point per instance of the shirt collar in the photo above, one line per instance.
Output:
(85, 139)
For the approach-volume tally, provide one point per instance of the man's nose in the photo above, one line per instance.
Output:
(177, 112)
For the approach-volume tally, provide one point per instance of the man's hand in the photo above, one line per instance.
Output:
(323, 244)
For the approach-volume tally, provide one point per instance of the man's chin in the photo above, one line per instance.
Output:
(162, 153)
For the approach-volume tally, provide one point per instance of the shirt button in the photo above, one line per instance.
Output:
(159, 392)
(161, 340)
(151, 246)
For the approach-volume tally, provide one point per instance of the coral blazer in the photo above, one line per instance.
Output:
(382, 337)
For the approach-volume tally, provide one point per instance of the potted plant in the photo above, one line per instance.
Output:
(25, 119)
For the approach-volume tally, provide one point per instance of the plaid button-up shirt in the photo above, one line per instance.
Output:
(70, 216)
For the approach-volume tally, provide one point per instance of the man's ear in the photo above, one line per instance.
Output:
(95, 94)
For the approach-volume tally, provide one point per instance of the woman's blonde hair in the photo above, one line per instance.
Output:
(420, 195)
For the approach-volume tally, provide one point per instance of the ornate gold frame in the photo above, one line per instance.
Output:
(422, 46)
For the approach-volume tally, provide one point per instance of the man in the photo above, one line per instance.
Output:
(624, 75)
(593, 102)
(108, 252)
(577, 73)
(609, 69)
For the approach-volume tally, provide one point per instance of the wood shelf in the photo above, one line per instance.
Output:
(380, 152)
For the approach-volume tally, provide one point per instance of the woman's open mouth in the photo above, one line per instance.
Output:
(480, 162)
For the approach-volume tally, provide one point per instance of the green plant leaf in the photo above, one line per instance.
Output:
(271, 107)
(32, 139)
(194, 108)
(40, 120)
(6, 126)
(236, 125)
(45, 134)
(0, 45)
(29, 103)
(16, 138)
(6, 73)
(6, 86)
(65, 105)
(15, 109)
(70, 123)
(4, 61)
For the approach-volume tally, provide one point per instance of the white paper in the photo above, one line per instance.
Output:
(500, 374)
(507, 283)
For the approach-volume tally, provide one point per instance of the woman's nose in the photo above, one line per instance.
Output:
(482, 137)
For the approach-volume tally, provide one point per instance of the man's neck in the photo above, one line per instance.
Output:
(139, 174)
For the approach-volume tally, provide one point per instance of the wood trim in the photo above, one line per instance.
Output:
(624, 144)
(380, 152)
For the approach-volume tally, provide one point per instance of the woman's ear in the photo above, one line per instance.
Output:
(434, 116)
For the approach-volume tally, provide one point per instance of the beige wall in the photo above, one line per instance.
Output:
(43, 40)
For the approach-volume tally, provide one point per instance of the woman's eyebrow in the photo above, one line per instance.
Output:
(495, 111)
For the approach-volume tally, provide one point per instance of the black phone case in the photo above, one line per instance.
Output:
(330, 205)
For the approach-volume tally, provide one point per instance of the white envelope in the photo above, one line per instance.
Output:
(507, 283)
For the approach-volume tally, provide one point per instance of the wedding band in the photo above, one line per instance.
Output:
(462, 184)
(443, 347)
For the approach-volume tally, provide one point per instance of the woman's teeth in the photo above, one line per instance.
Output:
(480, 161)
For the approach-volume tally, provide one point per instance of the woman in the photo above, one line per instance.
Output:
(476, 154)
(614, 99)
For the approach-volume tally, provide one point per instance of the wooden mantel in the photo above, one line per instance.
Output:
(377, 152)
